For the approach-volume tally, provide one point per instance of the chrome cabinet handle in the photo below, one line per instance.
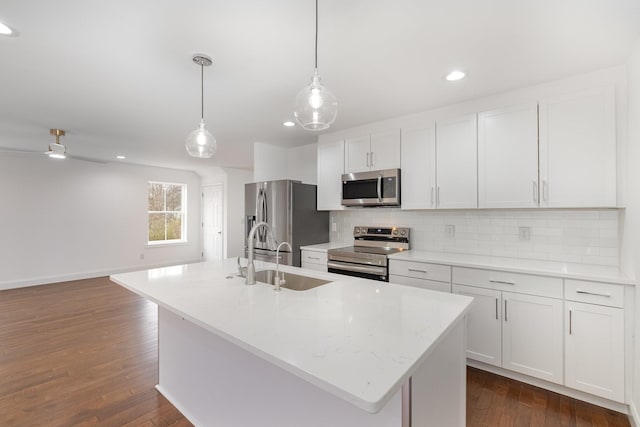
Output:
(501, 281)
(417, 271)
(570, 320)
(368, 159)
(438, 197)
(535, 191)
(505, 310)
(593, 293)
(431, 196)
(379, 187)
(313, 257)
(545, 190)
(496, 308)
(372, 158)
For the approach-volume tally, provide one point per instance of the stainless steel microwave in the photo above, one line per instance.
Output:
(375, 188)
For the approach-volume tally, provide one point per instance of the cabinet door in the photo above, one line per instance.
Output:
(508, 157)
(578, 150)
(594, 349)
(456, 163)
(418, 162)
(357, 152)
(532, 336)
(385, 150)
(484, 324)
(330, 170)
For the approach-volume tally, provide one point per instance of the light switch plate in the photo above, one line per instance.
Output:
(524, 233)
(334, 226)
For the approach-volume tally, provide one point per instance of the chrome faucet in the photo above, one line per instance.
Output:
(251, 269)
(277, 280)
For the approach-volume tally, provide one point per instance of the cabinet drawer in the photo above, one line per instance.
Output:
(313, 257)
(594, 293)
(421, 283)
(511, 282)
(420, 270)
(316, 267)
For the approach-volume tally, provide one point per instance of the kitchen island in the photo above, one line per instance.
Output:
(352, 352)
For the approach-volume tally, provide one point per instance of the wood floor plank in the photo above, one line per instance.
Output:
(84, 353)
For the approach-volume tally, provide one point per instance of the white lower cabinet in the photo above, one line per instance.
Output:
(313, 260)
(484, 324)
(594, 349)
(532, 336)
(423, 275)
(510, 328)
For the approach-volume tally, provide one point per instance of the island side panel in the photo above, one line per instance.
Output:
(439, 386)
(216, 383)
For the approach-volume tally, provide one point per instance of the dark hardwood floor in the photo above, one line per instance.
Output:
(85, 353)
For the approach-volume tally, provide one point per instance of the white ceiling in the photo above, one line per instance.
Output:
(118, 74)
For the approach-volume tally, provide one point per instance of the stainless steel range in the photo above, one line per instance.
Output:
(368, 257)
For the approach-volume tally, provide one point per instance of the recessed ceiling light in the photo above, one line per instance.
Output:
(121, 157)
(6, 30)
(288, 124)
(455, 75)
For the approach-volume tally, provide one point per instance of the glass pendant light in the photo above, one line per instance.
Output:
(200, 143)
(316, 107)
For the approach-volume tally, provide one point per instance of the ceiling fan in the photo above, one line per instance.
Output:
(55, 150)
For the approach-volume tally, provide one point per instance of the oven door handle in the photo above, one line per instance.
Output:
(357, 268)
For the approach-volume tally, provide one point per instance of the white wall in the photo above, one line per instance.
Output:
(234, 200)
(271, 162)
(63, 220)
(630, 245)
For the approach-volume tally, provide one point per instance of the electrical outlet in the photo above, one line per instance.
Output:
(524, 233)
(450, 230)
(141, 256)
(334, 226)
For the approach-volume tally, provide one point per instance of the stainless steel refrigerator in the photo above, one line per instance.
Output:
(289, 207)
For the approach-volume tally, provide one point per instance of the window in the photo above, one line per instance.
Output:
(167, 213)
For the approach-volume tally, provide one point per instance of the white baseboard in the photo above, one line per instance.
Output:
(634, 417)
(557, 388)
(45, 280)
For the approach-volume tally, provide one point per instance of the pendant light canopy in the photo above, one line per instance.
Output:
(200, 143)
(316, 107)
(57, 150)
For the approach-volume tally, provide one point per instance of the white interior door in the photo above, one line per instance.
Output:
(212, 222)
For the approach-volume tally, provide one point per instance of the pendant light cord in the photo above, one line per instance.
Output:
(202, 91)
(316, 35)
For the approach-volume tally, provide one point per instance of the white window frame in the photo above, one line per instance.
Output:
(183, 212)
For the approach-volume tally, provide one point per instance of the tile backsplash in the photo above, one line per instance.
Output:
(576, 236)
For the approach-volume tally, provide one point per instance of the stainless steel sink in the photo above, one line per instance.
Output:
(292, 281)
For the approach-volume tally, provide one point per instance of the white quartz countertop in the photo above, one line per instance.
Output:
(358, 339)
(324, 247)
(546, 268)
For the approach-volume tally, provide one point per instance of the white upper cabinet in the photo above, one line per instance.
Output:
(418, 162)
(578, 149)
(357, 154)
(373, 152)
(330, 170)
(508, 157)
(457, 161)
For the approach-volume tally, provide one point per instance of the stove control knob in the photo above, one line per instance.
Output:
(395, 232)
(403, 233)
(356, 231)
